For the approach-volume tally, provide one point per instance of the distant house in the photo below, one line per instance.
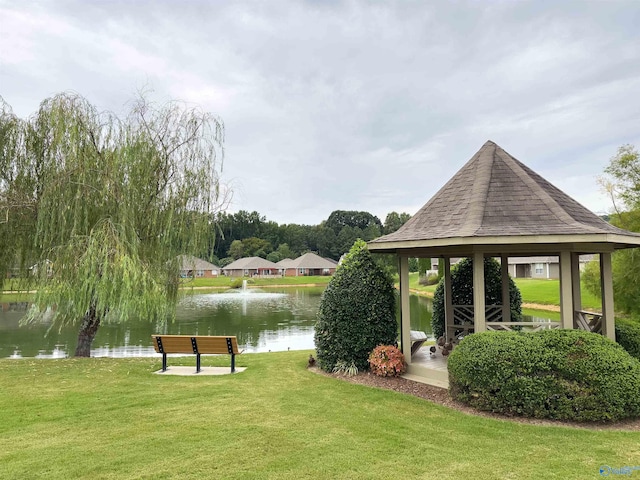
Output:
(251, 267)
(530, 267)
(540, 267)
(308, 264)
(193, 267)
(284, 265)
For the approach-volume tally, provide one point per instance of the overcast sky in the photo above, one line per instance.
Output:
(332, 105)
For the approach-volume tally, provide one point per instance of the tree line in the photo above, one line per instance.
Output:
(248, 234)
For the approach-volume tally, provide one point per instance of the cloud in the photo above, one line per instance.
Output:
(352, 104)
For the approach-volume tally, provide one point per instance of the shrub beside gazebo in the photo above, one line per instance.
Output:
(558, 374)
(356, 314)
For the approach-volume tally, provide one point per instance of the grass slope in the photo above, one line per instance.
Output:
(542, 292)
(113, 418)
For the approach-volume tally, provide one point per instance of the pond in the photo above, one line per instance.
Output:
(269, 320)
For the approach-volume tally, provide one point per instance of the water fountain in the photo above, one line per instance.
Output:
(243, 294)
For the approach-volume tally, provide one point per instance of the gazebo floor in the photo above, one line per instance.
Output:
(429, 369)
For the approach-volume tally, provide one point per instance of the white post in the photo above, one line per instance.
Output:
(448, 297)
(606, 284)
(405, 313)
(506, 299)
(479, 315)
(548, 270)
(575, 281)
(566, 295)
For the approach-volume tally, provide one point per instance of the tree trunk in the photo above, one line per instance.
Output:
(87, 333)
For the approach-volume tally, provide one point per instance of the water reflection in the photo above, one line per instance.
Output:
(263, 321)
(273, 320)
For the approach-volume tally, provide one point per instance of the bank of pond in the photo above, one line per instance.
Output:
(274, 319)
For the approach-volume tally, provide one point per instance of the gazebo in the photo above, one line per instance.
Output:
(495, 206)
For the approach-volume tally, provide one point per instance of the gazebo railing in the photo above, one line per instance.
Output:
(530, 326)
(463, 314)
(463, 321)
(589, 321)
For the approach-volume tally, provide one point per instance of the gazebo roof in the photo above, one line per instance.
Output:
(495, 200)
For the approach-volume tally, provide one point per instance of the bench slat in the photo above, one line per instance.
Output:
(196, 344)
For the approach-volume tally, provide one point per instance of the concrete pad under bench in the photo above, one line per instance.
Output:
(189, 371)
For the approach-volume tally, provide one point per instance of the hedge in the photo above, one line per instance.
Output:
(556, 374)
(356, 313)
(628, 335)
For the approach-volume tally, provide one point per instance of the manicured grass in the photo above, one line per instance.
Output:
(257, 282)
(547, 292)
(113, 418)
(542, 292)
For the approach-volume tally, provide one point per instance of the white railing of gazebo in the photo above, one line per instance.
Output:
(463, 317)
(589, 321)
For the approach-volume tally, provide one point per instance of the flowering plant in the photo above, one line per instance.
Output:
(387, 361)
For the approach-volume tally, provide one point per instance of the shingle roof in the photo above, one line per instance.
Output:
(250, 263)
(311, 260)
(495, 195)
(189, 262)
(285, 262)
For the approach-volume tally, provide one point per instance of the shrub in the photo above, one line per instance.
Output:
(628, 336)
(356, 313)
(557, 374)
(430, 279)
(462, 291)
(590, 278)
(346, 369)
(387, 361)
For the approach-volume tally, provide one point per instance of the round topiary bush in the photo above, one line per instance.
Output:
(557, 374)
(387, 361)
(628, 335)
(356, 313)
(462, 291)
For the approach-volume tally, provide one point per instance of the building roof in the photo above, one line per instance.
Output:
(285, 262)
(189, 262)
(311, 260)
(495, 199)
(250, 263)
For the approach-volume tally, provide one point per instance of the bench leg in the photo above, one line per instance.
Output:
(197, 363)
(233, 363)
(164, 362)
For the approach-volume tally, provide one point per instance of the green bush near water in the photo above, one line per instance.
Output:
(356, 313)
(556, 374)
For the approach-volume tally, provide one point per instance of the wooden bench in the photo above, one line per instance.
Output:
(417, 339)
(197, 345)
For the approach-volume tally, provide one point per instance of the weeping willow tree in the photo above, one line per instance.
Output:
(96, 208)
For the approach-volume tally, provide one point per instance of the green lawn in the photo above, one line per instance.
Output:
(543, 292)
(257, 282)
(113, 418)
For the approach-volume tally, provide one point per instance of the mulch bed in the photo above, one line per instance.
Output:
(441, 397)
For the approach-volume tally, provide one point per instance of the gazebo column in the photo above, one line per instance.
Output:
(606, 285)
(448, 297)
(506, 298)
(566, 294)
(575, 281)
(405, 312)
(479, 320)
